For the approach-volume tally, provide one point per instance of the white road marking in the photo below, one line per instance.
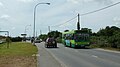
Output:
(94, 56)
(36, 55)
(76, 51)
(61, 63)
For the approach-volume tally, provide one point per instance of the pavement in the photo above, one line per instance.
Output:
(70, 57)
(45, 59)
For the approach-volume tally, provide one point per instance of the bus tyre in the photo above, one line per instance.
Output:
(83, 47)
(65, 44)
(70, 45)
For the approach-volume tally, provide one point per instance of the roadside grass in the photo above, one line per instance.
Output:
(19, 54)
(108, 48)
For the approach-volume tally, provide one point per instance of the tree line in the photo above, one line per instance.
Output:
(105, 37)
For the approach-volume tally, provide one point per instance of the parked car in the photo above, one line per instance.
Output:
(37, 41)
(50, 42)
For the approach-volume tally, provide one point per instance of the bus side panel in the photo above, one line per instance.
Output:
(63, 41)
(67, 42)
(72, 43)
(82, 44)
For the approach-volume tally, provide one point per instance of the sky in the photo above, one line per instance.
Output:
(16, 16)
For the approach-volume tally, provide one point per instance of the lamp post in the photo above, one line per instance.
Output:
(26, 28)
(25, 34)
(34, 20)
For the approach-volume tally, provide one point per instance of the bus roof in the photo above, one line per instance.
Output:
(74, 31)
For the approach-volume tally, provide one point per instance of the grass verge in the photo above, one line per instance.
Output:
(108, 48)
(18, 55)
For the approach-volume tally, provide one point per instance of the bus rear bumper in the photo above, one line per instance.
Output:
(82, 45)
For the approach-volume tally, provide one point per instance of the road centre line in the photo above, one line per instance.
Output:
(94, 56)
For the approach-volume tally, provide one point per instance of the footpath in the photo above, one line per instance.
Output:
(45, 59)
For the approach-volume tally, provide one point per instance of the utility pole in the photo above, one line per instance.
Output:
(49, 28)
(36, 34)
(78, 23)
(40, 32)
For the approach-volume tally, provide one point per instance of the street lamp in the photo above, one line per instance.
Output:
(34, 20)
(26, 28)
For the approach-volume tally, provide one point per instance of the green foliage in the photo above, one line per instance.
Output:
(59, 40)
(16, 39)
(43, 37)
(8, 41)
(86, 30)
(55, 34)
(66, 30)
(18, 49)
(108, 37)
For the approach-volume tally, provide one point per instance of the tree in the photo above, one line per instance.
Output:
(55, 34)
(8, 41)
(66, 30)
(109, 37)
(43, 37)
(86, 30)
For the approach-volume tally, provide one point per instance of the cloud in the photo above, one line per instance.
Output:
(4, 17)
(73, 1)
(1, 4)
(79, 1)
(116, 19)
(86, 1)
(26, 1)
(104, 1)
(13, 28)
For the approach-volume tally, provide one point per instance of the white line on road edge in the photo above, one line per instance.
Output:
(61, 63)
(107, 50)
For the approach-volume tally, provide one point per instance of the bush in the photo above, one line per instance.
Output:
(59, 40)
(16, 39)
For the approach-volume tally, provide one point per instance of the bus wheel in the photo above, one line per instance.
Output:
(65, 44)
(83, 47)
(70, 45)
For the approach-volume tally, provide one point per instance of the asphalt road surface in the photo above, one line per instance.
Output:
(70, 57)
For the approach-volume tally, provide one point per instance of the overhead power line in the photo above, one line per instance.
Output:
(88, 13)
(100, 9)
(65, 22)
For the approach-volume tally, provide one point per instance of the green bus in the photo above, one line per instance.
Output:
(76, 38)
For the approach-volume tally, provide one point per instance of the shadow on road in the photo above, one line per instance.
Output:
(52, 47)
(83, 48)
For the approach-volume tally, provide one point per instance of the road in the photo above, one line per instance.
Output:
(70, 57)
